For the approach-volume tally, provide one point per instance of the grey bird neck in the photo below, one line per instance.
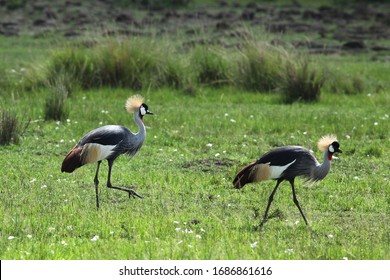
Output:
(321, 170)
(140, 136)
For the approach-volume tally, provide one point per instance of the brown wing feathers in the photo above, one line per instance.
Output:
(81, 155)
(244, 176)
(253, 172)
(72, 160)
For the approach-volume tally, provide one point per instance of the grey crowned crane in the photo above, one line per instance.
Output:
(286, 163)
(107, 143)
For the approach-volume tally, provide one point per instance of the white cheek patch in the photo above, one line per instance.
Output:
(143, 111)
(331, 149)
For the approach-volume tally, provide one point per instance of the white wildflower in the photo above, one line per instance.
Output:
(95, 238)
(289, 251)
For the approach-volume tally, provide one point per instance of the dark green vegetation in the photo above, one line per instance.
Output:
(218, 87)
(11, 127)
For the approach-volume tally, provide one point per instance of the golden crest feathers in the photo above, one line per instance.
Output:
(133, 103)
(325, 141)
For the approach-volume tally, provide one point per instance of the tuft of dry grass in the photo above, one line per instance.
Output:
(260, 67)
(55, 105)
(301, 82)
(11, 128)
(210, 66)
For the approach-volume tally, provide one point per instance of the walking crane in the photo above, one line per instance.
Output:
(107, 143)
(286, 163)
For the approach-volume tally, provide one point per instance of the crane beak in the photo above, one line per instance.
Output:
(339, 151)
(149, 113)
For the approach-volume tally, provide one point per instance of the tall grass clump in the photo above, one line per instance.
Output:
(345, 83)
(175, 74)
(11, 128)
(131, 64)
(75, 63)
(55, 105)
(210, 67)
(260, 67)
(127, 64)
(301, 82)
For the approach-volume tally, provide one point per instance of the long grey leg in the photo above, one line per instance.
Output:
(270, 199)
(96, 181)
(131, 192)
(296, 200)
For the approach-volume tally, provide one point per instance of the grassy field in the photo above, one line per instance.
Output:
(197, 140)
(184, 171)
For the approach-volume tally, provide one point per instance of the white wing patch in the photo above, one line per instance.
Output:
(276, 171)
(93, 152)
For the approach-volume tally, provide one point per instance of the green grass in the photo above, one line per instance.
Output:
(211, 117)
(190, 209)
(142, 64)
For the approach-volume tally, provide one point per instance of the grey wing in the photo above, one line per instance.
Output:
(303, 166)
(303, 161)
(106, 135)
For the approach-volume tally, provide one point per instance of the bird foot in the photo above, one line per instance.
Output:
(133, 194)
(130, 190)
(260, 226)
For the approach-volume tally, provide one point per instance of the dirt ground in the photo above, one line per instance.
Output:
(359, 27)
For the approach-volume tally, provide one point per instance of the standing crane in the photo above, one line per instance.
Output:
(286, 163)
(107, 143)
